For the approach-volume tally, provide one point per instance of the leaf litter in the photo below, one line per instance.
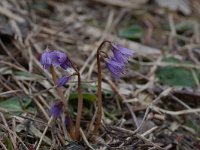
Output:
(154, 106)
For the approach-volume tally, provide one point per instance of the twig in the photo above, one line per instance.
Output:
(11, 138)
(113, 86)
(132, 133)
(149, 142)
(44, 132)
(149, 131)
(10, 92)
(3, 146)
(11, 15)
(182, 103)
(128, 4)
(6, 128)
(85, 139)
(164, 93)
(176, 113)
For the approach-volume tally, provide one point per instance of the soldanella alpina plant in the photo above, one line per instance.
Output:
(51, 60)
(116, 64)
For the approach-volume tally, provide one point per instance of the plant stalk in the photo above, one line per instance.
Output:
(80, 103)
(99, 94)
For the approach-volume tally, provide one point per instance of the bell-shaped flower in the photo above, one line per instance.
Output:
(55, 58)
(56, 109)
(47, 58)
(61, 59)
(63, 80)
(116, 68)
(121, 54)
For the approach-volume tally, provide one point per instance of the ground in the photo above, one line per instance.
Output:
(154, 105)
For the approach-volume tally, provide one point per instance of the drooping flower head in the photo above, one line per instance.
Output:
(46, 59)
(55, 58)
(63, 80)
(121, 54)
(116, 64)
(67, 121)
(116, 68)
(56, 109)
(61, 59)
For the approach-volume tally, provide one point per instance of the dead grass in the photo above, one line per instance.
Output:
(140, 112)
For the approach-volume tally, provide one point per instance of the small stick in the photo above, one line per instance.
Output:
(176, 113)
(85, 139)
(113, 86)
(10, 135)
(11, 15)
(43, 134)
(3, 146)
(8, 129)
(149, 131)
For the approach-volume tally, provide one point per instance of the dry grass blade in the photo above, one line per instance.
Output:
(44, 132)
(11, 15)
(85, 139)
(122, 3)
(140, 49)
(175, 113)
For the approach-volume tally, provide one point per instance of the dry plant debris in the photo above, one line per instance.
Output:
(156, 104)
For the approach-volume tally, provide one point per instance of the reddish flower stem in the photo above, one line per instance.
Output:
(99, 94)
(80, 103)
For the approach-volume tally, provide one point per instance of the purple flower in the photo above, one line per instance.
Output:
(56, 109)
(46, 58)
(56, 58)
(63, 80)
(61, 59)
(116, 68)
(121, 54)
(67, 121)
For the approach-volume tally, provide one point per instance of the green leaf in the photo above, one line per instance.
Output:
(184, 26)
(192, 124)
(8, 143)
(87, 97)
(20, 75)
(16, 104)
(181, 27)
(88, 101)
(132, 32)
(177, 76)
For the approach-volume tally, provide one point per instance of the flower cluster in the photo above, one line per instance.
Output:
(56, 58)
(56, 109)
(116, 64)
